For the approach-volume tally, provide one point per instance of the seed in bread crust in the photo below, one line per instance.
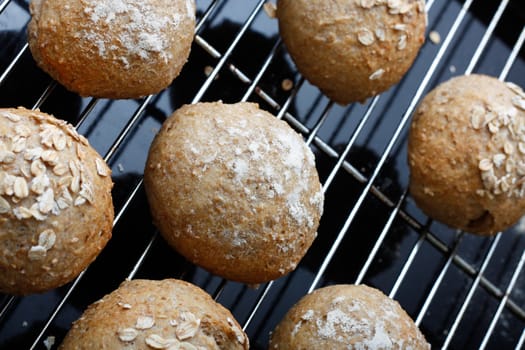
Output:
(377, 74)
(5, 207)
(519, 102)
(400, 27)
(402, 43)
(155, 341)
(380, 34)
(37, 253)
(188, 326)
(101, 168)
(47, 239)
(477, 116)
(127, 334)
(515, 88)
(485, 164)
(145, 322)
(367, 4)
(20, 188)
(365, 36)
(186, 346)
(125, 306)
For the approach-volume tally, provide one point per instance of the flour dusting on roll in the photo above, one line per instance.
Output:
(234, 190)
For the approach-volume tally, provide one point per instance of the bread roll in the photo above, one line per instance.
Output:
(234, 190)
(56, 211)
(466, 154)
(347, 317)
(352, 49)
(112, 48)
(145, 315)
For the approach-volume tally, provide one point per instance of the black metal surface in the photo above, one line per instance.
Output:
(432, 270)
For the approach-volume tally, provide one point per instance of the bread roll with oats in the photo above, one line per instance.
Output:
(352, 49)
(347, 317)
(466, 153)
(56, 211)
(145, 315)
(234, 190)
(112, 48)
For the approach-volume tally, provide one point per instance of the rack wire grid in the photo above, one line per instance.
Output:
(463, 291)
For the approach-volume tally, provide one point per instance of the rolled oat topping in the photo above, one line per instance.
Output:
(504, 170)
(36, 181)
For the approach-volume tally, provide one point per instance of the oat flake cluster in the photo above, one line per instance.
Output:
(56, 210)
(503, 172)
(34, 182)
(185, 327)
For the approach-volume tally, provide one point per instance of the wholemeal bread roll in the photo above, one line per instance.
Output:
(467, 154)
(347, 317)
(352, 49)
(56, 211)
(145, 315)
(112, 48)
(234, 190)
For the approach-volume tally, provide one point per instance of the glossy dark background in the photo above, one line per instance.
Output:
(23, 319)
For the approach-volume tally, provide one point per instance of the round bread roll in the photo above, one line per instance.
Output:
(112, 48)
(347, 317)
(466, 154)
(56, 211)
(234, 190)
(145, 315)
(352, 49)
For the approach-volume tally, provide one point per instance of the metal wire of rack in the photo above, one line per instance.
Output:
(463, 291)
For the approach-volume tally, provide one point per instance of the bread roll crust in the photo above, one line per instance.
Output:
(56, 210)
(466, 167)
(352, 49)
(112, 48)
(347, 317)
(146, 314)
(234, 190)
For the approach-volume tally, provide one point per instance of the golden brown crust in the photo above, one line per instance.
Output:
(466, 167)
(112, 48)
(145, 314)
(56, 211)
(234, 190)
(347, 317)
(352, 49)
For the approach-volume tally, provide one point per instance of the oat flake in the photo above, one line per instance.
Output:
(402, 43)
(377, 74)
(365, 37)
(36, 253)
(155, 341)
(127, 334)
(367, 4)
(188, 326)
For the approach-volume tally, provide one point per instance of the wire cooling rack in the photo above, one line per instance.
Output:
(463, 291)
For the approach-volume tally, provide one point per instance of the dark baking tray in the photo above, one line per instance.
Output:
(464, 291)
